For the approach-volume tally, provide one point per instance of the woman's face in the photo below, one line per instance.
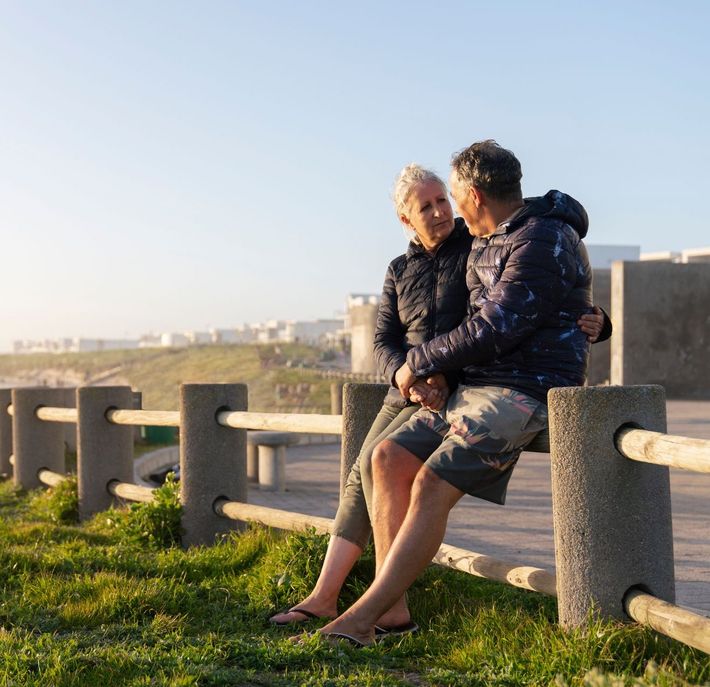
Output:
(429, 213)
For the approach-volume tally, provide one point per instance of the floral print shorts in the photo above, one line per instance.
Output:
(475, 441)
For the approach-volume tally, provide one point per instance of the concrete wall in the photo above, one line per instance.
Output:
(662, 326)
(600, 357)
(363, 319)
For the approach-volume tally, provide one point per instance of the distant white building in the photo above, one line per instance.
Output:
(150, 341)
(601, 256)
(81, 345)
(224, 336)
(361, 321)
(173, 340)
(198, 338)
(661, 256)
(311, 332)
(696, 255)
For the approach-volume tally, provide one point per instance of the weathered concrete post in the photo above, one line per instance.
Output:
(361, 403)
(137, 404)
(104, 450)
(5, 433)
(336, 398)
(70, 429)
(37, 444)
(272, 467)
(272, 458)
(212, 459)
(612, 515)
(252, 458)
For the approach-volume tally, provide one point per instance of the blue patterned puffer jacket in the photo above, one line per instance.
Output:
(529, 282)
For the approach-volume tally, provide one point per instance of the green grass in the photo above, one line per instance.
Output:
(88, 605)
(159, 372)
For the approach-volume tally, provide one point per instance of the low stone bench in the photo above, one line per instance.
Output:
(266, 458)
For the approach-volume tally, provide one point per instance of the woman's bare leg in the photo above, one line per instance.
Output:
(323, 600)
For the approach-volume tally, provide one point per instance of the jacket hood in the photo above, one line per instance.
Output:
(554, 205)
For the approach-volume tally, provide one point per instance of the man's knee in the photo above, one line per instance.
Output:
(428, 488)
(390, 460)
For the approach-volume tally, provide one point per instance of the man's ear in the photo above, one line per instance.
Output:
(405, 220)
(477, 195)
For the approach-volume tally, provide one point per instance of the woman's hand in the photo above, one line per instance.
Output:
(404, 378)
(592, 323)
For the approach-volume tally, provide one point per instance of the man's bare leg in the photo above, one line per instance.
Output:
(413, 548)
(323, 600)
(393, 472)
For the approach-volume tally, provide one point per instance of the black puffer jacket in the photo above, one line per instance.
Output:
(529, 282)
(423, 296)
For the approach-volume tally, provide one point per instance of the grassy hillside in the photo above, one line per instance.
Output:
(273, 384)
(92, 605)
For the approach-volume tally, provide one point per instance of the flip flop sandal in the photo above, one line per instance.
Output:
(336, 638)
(396, 630)
(308, 615)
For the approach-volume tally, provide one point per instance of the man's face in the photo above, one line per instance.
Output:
(464, 203)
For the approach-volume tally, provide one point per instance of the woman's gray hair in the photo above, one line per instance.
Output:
(405, 182)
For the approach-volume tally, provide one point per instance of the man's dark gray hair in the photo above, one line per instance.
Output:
(493, 169)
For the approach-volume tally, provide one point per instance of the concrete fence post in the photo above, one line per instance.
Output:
(136, 404)
(336, 398)
(104, 450)
(37, 444)
(70, 429)
(212, 459)
(361, 403)
(612, 515)
(5, 433)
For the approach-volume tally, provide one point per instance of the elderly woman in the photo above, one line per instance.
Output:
(424, 295)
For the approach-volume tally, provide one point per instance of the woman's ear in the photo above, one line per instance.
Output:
(405, 220)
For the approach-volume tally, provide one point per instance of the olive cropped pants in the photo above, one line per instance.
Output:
(352, 521)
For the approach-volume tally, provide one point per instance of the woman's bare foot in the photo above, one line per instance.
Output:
(308, 609)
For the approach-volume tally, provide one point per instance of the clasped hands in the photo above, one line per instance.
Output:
(431, 392)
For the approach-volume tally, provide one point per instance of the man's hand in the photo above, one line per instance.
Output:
(404, 378)
(592, 324)
(431, 395)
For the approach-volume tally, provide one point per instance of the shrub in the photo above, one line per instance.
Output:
(156, 523)
(60, 504)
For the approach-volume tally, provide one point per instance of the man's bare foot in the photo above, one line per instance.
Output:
(394, 618)
(347, 628)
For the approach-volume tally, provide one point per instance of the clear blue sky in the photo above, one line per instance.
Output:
(174, 165)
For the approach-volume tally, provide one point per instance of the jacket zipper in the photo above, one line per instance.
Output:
(432, 325)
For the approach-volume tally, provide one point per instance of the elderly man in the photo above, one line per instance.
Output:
(529, 280)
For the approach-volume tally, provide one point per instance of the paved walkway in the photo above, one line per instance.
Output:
(522, 530)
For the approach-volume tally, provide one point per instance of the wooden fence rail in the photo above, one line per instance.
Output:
(50, 478)
(664, 449)
(679, 623)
